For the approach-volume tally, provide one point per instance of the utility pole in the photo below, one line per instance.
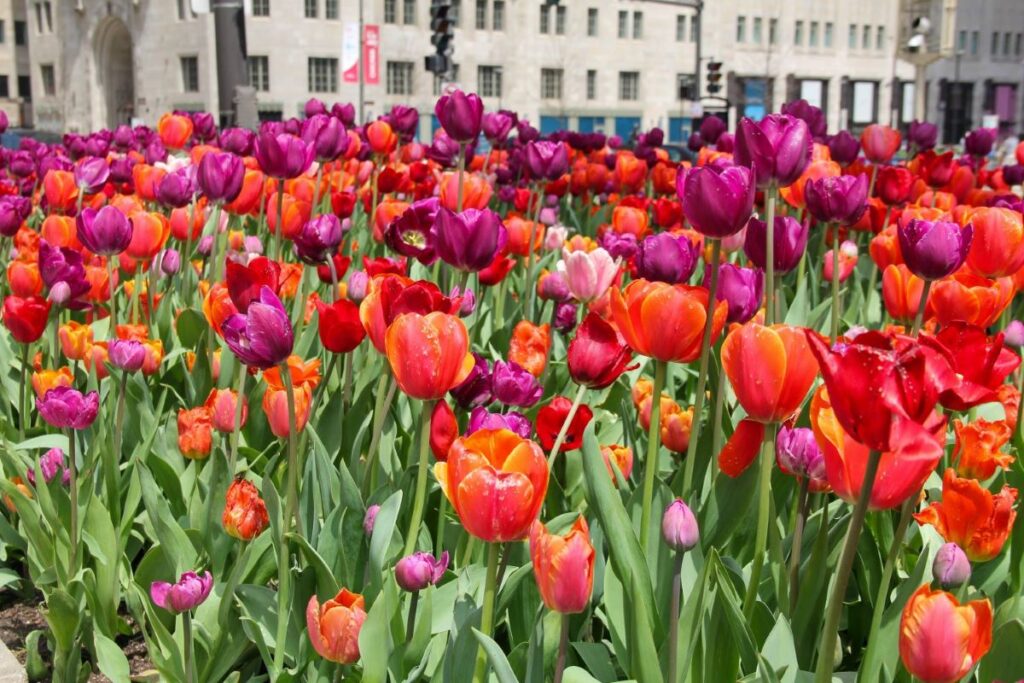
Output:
(360, 62)
(232, 81)
(698, 17)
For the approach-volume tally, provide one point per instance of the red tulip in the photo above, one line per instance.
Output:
(880, 143)
(597, 355)
(429, 354)
(444, 429)
(245, 281)
(981, 364)
(26, 317)
(563, 566)
(940, 639)
(550, 419)
(339, 326)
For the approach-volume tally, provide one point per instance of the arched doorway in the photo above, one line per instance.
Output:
(115, 72)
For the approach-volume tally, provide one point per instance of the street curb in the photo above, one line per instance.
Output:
(10, 670)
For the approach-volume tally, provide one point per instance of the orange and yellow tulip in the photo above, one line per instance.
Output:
(60, 190)
(334, 627)
(940, 639)
(563, 566)
(174, 130)
(245, 513)
(275, 406)
(75, 339)
(771, 369)
(44, 380)
(976, 453)
(901, 292)
(998, 246)
(429, 354)
(970, 298)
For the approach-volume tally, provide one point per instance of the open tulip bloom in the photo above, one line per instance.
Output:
(604, 397)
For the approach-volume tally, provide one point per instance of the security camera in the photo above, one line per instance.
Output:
(916, 43)
(922, 25)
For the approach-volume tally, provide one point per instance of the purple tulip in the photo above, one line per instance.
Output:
(475, 390)
(53, 162)
(444, 150)
(460, 114)
(809, 114)
(155, 151)
(844, 148)
(204, 128)
(13, 212)
(97, 146)
(370, 519)
(667, 258)
(22, 164)
(3, 122)
(741, 288)
(404, 120)
(413, 234)
(62, 270)
(67, 408)
(620, 245)
(565, 316)
(497, 125)
(553, 287)
(91, 174)
(1013, 174)
(50, 464)
(695, 142)
(979, 142)
(546, 160)
(358, 283)
(346, 113)
(469, 241)
(318, 238)
(711, 128)
(778, 148)
(679, 526)
(263, 336)
(121, 170)
(789, 237)
(513, 385)
(419, 570)
(922, 135)
(837, 199)
(951, 568)
(106, 232)
(168, 260)
(313, 107)
(799, 454)
(515, 422)
(934, 249)
(327, 136)
(126, 354)
(123, 138)
(717, 202)
(238, 141)
(220, 176)
(525, 132)
(176, 189)
(189, 592)
(283, 155)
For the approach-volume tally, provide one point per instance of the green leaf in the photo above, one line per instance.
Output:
(191, 325)
(598, 660)
(730, 600)
(64, 615)
(1003, 661)
(112, 662)
(646, 666)
(499, 663)
(375, 642)
(779, 652)
(383, 531)
(43, 442)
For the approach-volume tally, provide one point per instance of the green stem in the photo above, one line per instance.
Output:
(442, 510)
(113, 465)
(113, 296)
(826, 660)
(291, 511)
(279, 233)
(673, 618)
(73, 484)
(919, 317)
(22, 405)
(874, 176)
(563, 647)
(763, 509)
(186, 257)
(410, 626)
(702, 375)
(565, 425)
(797, 545)
(136, 294)
(836, 302)
(233, 437)
(487, 610)
(421, 479)
(219, 242)
(186, 621)
(769, 265)
(380, 411)
(906, 514)
(462, 172)
(653, 443)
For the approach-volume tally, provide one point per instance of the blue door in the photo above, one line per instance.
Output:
(627, 126)
(679, 129)
(591, 124)
(553, 124)
(755, 98)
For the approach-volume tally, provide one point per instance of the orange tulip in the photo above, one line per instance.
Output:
(519, 230)
(976, 454)
(387, 211)
(530, 345)
(496, 482)
(217, 306)
(563, 566)
(96, 359)
(245, 514)
(154, 355)
(664, 321)
(186, 216)
(334, 628)
(972, 517)
(222, 404)
(60, 231)
(60, 190)
(146, 179)
(1009, 397)
(816, 170)
(429, 354)
(622, 456)
(998, 246)
(301, 373)
(24, 278)
(75, 339)
(174, 130)
(969, 298)
(630, 219)
(940, 639)
(771, 369)
(476, 191)
(675, 423)
(248, 200)
(149, 234)
(195, 433)
(44, 380)
(884, 248)
(295, 211)
(382, 137)
(275, 406)
(99, 282)
(630, 172)
(901, 292)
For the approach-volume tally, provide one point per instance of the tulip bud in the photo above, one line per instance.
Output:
(358, 282)
(797, 452)
(679, 526)
(50, 464)
(1013, 335)
(951, 568)
(370, 518)
(565, 316)
(189, 592)
(170, 261)
(126, 354)
(419, 570)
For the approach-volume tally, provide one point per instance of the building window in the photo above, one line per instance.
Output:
(695, 29)
(323, 74)
(190, 74)
(755, 35)
(261, 8)
(49, 78)
(481, 14)
(560, 20)
(551, 84)
(680, 27)
(409, 12)
(995, 43)
(813, 36)
(39, 17)
(48, 12)
(498, 15)
(1016, 42)
(5, 89)
(591, 84)
(25, 87)
(961, 41)
(880, 38)
(259, 72)
(798, 33)
(455, 13)
(19, 32)
(489, 81)
(828, 33)
(592, 21)
(975, 41)
(3, 31)
(773, 31)
(686, 85)
(545, 19)
(399, 78)
(311, 9)
(741, 29)
(182, 11)
(629, 86)
(852, 40)
(865, 42)
(623, 24)
(638, 24)
(390, 11)
(331, 9)
(1006, 44)
(863, 110)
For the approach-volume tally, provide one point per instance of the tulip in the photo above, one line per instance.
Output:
(1014, 334)
(326, 135)
(981, 364)
(893, 184)
(245, 513)
(623, 459)
(837, 199)
(381, 137)
(428, 354)
(711, 128)
(419, 570)
(880, 143)
(126, 354)
(470, 240)
(665, 257)
(66, 408)
(979, 142)
(195, 433)
(777, 148)
(588, 274)
(188, 593)
(13, 211)
(935, 169)
(339, 327)
(91, 174)
(563, 566)
(679, 526)
(509, 478)
(318, 239)
(789, 238)
(998, 248)
(844, 148)
(26, 317)
(940, 639)
(275, 407)
(460, 115)
(444, 429)
(514, 422)
(50, 464)
(334, 627)
(283, 155)
(741, 289)
(262, 337)
(106, 232)
(933, 250)
(246, 282)
(44, 380)
(176, 189)
(553, 287)
(597, 354)
(62, 270)
(922, 135)
(811, 115)
(513, 385)
(621, 246)
(951, 568)
(558, 416)
(717, 202)
(497, 125)
(238, 141)
(475, 390)
(530, 345)
(369, 519)
(223, 406)
(546, 160)
(220, 176)
(970, 298)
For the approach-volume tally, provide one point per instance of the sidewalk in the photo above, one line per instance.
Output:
(10, 670)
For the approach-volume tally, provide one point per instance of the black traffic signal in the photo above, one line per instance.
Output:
(714, 77)
(442, 25)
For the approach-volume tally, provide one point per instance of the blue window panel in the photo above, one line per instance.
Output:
(755, 97)
(591, 124)
(626, 126)
(553, 124)
(679, 128)
(435, 125)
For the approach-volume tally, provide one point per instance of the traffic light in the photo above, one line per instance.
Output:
(714, 77)
(443, 32)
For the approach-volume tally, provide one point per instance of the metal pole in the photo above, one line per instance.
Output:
(229, 32)
(362, 78)
(919, 85)
(697, 47)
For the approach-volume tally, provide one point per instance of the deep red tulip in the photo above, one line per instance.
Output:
(598, 354)
(339, 326)
(26, 317)
(981, 363)
(550, 419)
(244, 282)
(444, 429)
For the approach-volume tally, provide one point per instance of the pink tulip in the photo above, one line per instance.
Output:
(588, 274)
